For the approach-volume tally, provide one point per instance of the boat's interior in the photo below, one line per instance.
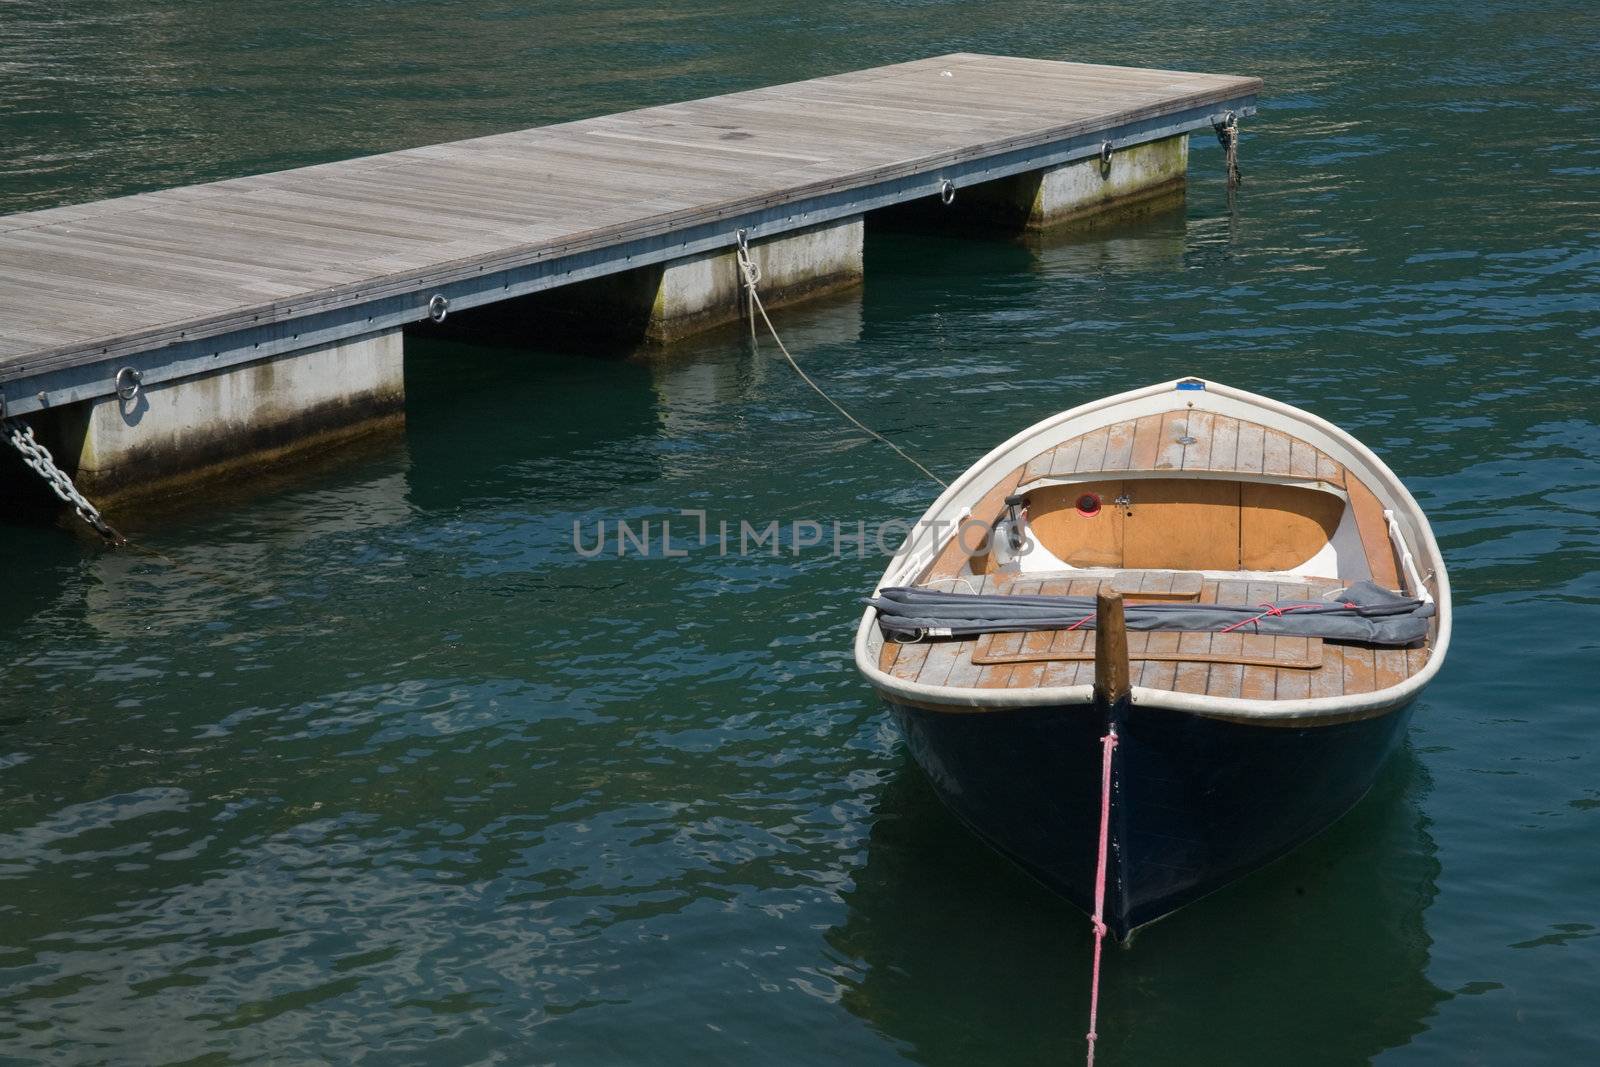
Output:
(1184, 505)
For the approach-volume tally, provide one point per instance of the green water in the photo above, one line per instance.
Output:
(385, 770)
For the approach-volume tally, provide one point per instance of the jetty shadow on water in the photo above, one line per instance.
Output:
(1320, 958)
(488, 425)
(550, 427)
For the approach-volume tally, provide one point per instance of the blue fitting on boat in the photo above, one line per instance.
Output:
(1191, 383)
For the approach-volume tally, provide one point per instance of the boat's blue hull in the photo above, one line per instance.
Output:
(1196, 802)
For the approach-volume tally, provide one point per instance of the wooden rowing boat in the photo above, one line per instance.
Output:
(1237, 742)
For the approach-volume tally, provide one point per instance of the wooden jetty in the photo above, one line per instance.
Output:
(162, 294)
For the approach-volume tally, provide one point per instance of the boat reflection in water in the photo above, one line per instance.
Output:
(1322, 955)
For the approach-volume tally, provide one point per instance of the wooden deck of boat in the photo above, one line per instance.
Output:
(363, 242)
(1344, 668)
(1192, 441)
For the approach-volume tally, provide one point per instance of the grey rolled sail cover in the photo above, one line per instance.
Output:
(1362, 612)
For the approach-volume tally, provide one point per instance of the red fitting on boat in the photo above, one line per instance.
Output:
(1089, 504)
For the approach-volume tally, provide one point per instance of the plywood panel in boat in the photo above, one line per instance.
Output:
(1283, 526)
(1182, 524)
(1077, 538)
(1275, 527)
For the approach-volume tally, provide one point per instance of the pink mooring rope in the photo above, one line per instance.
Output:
(1109, 741)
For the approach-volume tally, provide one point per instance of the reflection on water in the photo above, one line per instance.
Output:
(1154, 243)
(948, 933)
(695, 384)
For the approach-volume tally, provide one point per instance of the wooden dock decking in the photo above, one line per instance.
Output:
(200, 278)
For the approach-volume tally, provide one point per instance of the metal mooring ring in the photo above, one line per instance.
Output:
(127, 383)
(1105, 153)
(438, 307)
(947, 192)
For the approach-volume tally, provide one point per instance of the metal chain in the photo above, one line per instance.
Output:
(38, 457)
(1227, 132)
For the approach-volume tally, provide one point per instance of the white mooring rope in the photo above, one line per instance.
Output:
(752, 275)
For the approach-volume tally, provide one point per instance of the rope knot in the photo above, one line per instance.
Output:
(748, 267)
(1270, 611)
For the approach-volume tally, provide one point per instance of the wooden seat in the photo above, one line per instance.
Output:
(1158, 585)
